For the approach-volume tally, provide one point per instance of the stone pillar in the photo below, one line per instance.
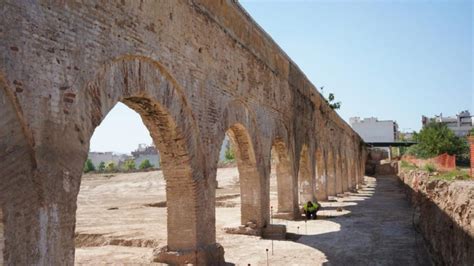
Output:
(287, 186)
(339, 173)
(331, 174)
(321, 176)
(191, 230)
(345, 175)
(305, 179)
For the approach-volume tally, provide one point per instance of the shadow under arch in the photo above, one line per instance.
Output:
(146, 87)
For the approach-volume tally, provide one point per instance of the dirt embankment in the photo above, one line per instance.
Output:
(444, 214)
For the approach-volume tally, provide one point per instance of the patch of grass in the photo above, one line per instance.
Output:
(407, 165)
(430, 168)
(453, 175)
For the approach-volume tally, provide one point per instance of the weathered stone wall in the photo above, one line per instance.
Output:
(2, 239)
(444, 215)
(193, 70)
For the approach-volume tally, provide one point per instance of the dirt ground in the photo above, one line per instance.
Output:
(122, 217)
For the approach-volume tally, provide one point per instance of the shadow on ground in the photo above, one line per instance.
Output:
(378, 230)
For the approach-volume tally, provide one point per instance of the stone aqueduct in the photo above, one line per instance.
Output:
(193, 70)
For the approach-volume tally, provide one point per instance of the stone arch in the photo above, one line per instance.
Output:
(305, 180)
(148, 88)
(240, 124)
(321, 175)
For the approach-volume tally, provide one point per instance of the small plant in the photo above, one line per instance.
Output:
(89, 166)
(129, 165)
(229, 153)
(430, 168)
(101, 167)
(110, 167)
(331, 100)
(145, 164)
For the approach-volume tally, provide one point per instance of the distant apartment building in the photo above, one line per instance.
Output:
(373, 130)
(460, 124)
(146, 152)
(107, 157)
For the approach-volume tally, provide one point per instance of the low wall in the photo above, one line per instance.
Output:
(444, 214)
(443, 162)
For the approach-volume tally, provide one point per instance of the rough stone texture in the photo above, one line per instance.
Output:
(386, 168)
(193, 70)
(1, 238)
(445, 216)
(471, 145)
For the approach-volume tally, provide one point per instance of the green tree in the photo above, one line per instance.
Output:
(110, 167)
(145, 164)
(129, 165)
(229, 154)
(101, 167)
(89, 166)
(331, 100)
(435, 139)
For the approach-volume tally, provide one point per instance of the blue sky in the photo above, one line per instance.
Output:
(389, 59)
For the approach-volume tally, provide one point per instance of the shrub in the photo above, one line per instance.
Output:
(146, 164)
(435, 139)
(89, 166)
(101, 167)
(229, 153)
(110, 167)
(129, 165)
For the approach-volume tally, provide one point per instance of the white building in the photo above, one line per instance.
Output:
(374, 130)
(146, 152)
(460, 124)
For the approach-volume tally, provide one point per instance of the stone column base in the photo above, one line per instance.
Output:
(210, 255)
(287, 216)
(274, 231)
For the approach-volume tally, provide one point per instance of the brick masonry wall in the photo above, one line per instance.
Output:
(192, 70)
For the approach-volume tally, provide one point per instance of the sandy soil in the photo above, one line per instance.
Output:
(122, 217)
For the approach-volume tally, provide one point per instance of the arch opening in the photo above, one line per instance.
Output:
(141, 184)
(246, 180)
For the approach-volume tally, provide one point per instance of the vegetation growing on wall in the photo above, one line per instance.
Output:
(330, 100)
